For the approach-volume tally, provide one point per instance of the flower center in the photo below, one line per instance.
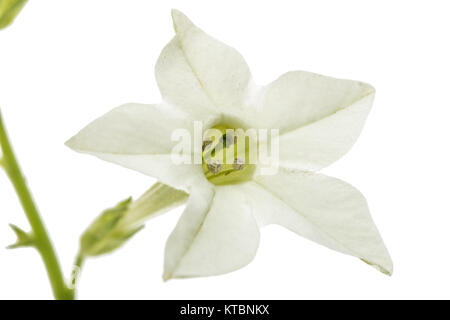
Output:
(227, 155)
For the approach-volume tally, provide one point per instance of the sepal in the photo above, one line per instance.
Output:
(101, 236)
(115, 226)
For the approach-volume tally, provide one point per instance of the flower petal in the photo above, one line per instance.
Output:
(216, 234)
(138, 137)
(199, 73)
(319, 117)
(322, 209)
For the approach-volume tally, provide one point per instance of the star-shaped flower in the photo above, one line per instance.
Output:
(318, 118)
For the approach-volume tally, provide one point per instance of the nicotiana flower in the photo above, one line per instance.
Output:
(318, 118)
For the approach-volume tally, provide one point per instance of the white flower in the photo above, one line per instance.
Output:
(319, 119)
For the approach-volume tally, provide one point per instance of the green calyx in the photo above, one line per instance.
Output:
(102, 236)
(115, 226)
(9, 9)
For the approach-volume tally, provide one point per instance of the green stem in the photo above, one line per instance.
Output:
(40, 237)
(76, 271)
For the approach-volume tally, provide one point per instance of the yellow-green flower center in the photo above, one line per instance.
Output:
(226, 155)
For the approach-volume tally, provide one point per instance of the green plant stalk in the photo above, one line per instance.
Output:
(76, 272)
(41, 240)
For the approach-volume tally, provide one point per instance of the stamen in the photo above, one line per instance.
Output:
(206, 143)
(223, 161)
(214, 166)
(238, 164)
(228, 139)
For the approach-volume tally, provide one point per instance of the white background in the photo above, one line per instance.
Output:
(64, 63)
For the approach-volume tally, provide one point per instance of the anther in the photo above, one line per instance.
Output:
(214, 166)
(238, 164)
(205, 144)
